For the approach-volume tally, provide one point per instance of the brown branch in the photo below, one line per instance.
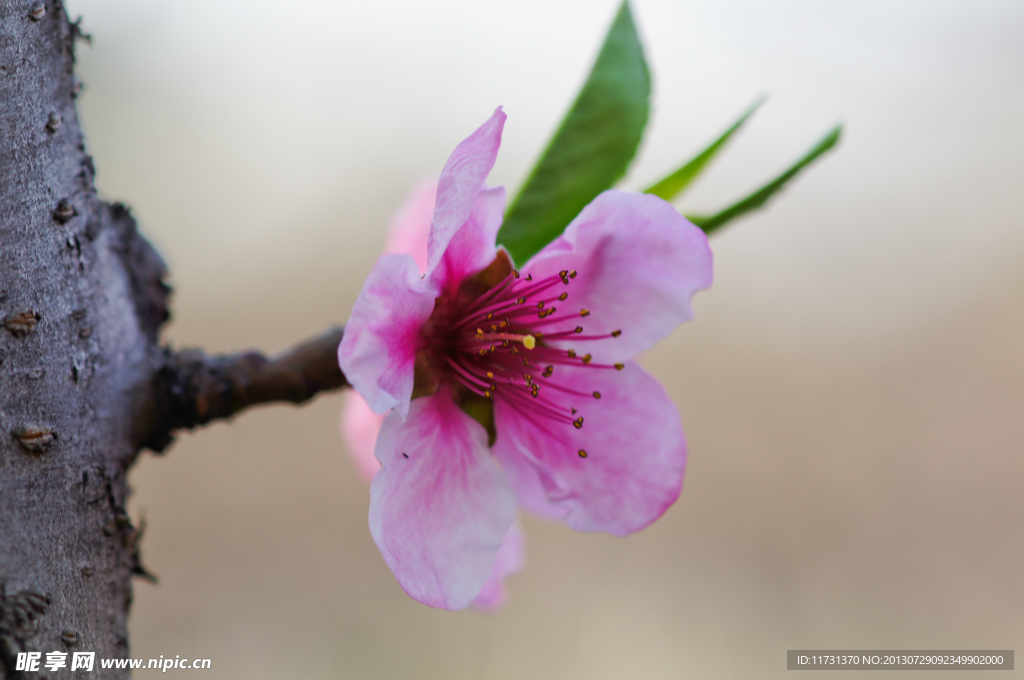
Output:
(192, 389)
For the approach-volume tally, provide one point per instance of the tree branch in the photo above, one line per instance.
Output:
(192, 389)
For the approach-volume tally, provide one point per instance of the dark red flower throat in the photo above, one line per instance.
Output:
(489, 339)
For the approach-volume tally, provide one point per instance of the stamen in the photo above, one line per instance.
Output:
(619, 367)
(584, 312)
(578, 423)
(563, 296)
(616, 334)
(582, 453)
(597, 395)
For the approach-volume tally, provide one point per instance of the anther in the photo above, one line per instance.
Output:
(564, 275)
(548, 371)
(619, 367)
(529, 277)
(527, 377)
(582, 453)
(572, 274)
(515, 273)
(571, 353)
(487, 394)
(540, 305)
(479, 332)
(490, 315)
(563, 296)
(573, 411)
(489, 374)
(597, 395)
(579, 329)
(586, 358)
(520, 301)
(616, 334)
(584, 312)
(578, 423)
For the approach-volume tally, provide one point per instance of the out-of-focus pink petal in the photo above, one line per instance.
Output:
(638, 261)
(636, 453)
(461, 181)
(533, 485)
(511, 559)
(472, 248)
(439, 507)
(378, 351)
(359, 428)
(410, 225)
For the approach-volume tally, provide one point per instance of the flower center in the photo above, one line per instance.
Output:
(494, 344)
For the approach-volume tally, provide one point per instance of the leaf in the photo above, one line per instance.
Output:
(760, 197)
(591, 148)
(673, 185)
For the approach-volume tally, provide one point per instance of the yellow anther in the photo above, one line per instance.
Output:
(572, 274)
(563, 296)
(483, 351)
(564, 275)
(597, 395)
(489, 374)
(571, 353)
(540, 305)
(527, 377)
(579, 329)
(520, 301)
(490, 315)
(515, 273)
(619, 367)
(529, 277)
(578, 423)
(487, 394)
(586, 358)
(494, 327)
(616, 334)
(584, 312)
(503, 324)
(479, 332)
(582, 453)
(529, 342)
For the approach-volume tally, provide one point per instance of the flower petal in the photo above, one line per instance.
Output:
(472, 248)
(359, 428)
(378, 351)
(638, 261)
(410, 226)
(511, 559)
(460, 183)
(439, 507)
(635, 451)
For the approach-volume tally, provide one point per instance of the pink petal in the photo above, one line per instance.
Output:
(636, 453)
(410, 226)
(378, 350)
(472, 247)
(439, 507)
(511, 559)
(460, 183)
(638, 261)
(359, 428)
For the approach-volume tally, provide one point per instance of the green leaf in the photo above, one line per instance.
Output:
(673, 185)
(591, 148)
(760, 197)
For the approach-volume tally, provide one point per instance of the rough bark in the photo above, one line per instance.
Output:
(84, 384)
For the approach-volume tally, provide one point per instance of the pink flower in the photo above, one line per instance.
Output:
(408, 233)
(563, 423)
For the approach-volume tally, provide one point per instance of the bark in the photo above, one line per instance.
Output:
(84, 383)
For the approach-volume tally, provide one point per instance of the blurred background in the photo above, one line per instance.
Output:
(852, 388)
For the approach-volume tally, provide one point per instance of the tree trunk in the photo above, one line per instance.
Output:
(81, 299)
(84, 384)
